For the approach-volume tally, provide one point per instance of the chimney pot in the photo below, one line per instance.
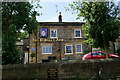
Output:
(60, 17)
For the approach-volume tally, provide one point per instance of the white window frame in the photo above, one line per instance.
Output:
(76, 48)
(75, 33)
(53, 30)
(71, 49)
(46, 53)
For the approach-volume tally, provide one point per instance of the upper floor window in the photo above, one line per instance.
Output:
(53, 33)
(77, 33)
(68, 49)
(46, 49)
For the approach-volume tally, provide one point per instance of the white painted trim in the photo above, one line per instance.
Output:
(75, 33)
(71, 49)
(81, 48)
(68, 54)
(56, 33)
(47, 53)
(78, 37)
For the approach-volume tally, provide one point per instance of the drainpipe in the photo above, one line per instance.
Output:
(36, 48)
(28, 48)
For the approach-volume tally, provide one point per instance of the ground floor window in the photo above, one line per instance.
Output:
(68, 49)
(46, 49)
(78, 48)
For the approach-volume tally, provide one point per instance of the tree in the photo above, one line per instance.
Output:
(101, 25)
(22, 35)
(16, 16)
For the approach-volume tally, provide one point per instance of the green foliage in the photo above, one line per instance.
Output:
(22, 35)
(10, 53)
(32, 55)
(101, 24)
(16, 16)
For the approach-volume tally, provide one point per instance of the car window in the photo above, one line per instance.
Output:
(94, 54)
(101, 53)
(98, 53)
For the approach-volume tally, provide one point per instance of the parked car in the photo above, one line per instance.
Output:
(98, 55)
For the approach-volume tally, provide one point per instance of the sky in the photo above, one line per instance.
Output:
(49, 13)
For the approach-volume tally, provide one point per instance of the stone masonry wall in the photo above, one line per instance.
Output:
(66, 70)
(58, 47)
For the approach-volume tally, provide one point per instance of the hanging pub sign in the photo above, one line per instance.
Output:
(43, 32)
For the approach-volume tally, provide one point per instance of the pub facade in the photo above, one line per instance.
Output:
(58, 39)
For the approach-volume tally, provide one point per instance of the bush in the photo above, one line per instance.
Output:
(32, 55)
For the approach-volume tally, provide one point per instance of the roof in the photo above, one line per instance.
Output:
(61, 23)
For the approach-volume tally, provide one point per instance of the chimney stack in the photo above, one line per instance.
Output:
(60, 17)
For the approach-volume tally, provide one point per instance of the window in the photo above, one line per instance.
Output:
(77, 33)
(68, 49)
(47, 49)
(78, 48)
(53, 33)
(98, 53)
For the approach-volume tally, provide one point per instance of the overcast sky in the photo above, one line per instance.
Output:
(49, 9)
(49, 12)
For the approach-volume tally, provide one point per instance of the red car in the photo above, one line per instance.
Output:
(98, 55)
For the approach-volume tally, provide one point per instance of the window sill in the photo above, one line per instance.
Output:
(78, 37)
(46, 53)
(79, 52)
(53, 37)
(68, 53)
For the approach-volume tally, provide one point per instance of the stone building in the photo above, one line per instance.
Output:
(59, 39)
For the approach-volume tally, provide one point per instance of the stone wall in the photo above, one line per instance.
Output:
(76, 70)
